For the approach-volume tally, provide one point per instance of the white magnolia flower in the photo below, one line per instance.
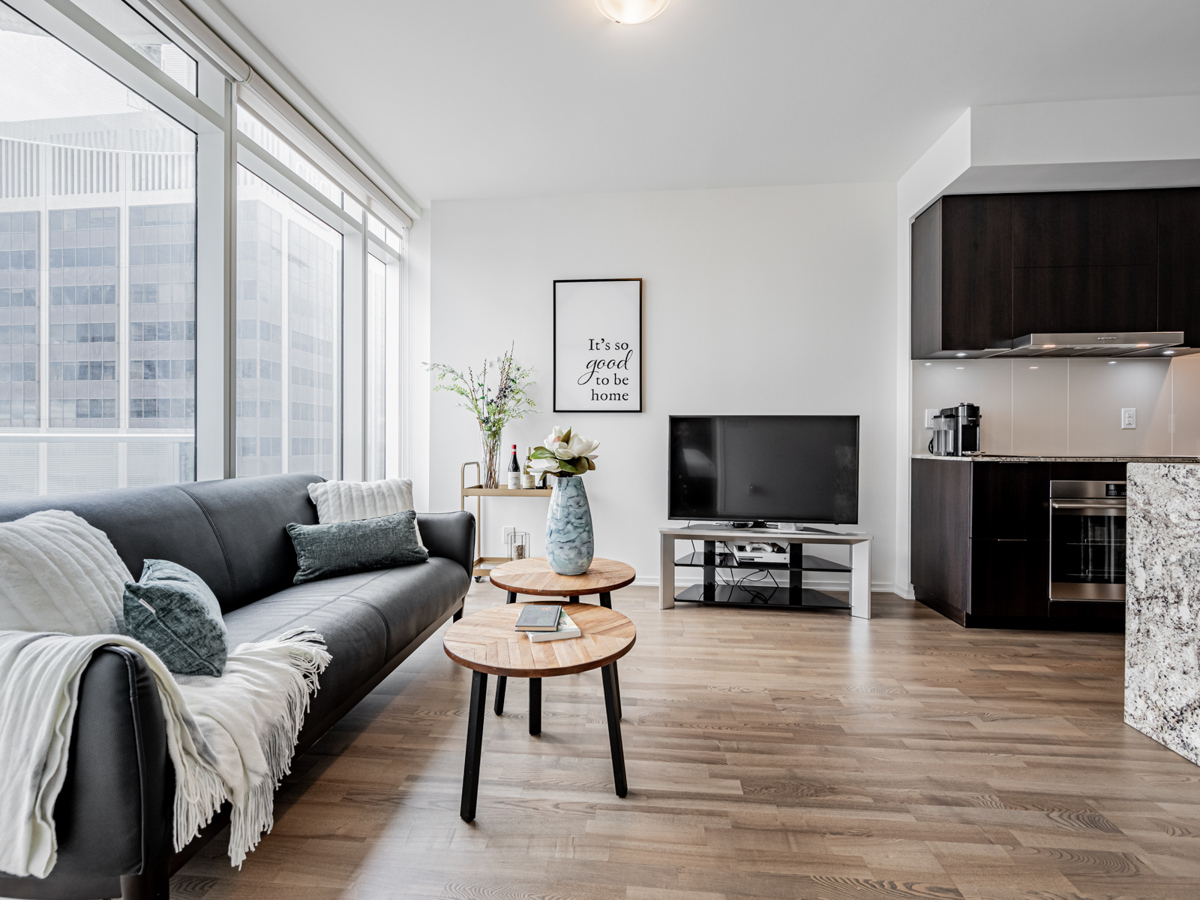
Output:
(581, 446)
(541, 466)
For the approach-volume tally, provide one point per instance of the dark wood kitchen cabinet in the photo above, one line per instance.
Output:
(962, 275)
(1179, 263)
(981, 540)
(990, 268)
(1085, 261)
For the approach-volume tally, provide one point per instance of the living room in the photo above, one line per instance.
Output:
(968, 233)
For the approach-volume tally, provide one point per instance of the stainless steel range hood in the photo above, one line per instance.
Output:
(1100, 343)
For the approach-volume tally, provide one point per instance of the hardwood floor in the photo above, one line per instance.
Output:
(770, 755)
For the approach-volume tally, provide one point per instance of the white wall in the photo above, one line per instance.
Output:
(766, 300)
(415, 337)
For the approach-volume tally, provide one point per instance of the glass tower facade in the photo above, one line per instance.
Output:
(288, 335)
(97, 276)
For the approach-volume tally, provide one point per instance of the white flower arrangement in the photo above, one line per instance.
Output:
(564, 453)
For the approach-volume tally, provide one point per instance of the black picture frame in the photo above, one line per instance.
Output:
(637, 357)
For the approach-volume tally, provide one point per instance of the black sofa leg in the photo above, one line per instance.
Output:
(458, 615)
(153, 884)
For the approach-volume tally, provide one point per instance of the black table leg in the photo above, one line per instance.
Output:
(617, 690)
(501, 684)
(502, 680)
(470, 789)
(535, 706)
(606, 600)
(608, 675)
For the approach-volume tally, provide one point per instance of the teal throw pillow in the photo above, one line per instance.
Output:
(174, 613)
(343, 547)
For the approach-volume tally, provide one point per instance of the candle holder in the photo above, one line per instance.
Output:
(518, 545)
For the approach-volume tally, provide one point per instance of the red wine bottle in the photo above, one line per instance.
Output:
(514, 471)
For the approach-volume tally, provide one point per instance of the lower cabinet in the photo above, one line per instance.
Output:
(981, 540)
(1009, 578)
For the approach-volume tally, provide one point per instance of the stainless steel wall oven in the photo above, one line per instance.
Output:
(1087, 541)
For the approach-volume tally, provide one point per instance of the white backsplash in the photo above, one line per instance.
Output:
(1067, 407)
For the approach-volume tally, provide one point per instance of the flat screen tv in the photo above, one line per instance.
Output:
(761, 469)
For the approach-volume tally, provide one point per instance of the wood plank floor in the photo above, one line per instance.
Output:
(770, 755)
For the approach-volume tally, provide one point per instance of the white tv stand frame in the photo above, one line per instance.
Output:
(860, 556)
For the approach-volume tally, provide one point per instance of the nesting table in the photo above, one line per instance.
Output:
(487, 644)
(534, 577)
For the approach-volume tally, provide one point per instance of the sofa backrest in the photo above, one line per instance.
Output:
(231, 533)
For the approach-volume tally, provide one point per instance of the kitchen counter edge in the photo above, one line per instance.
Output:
(1185, 460)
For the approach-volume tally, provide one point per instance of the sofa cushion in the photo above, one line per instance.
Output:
(365, 618)
(149, 523)
(358, 546)
(174, 613)
(248, 516)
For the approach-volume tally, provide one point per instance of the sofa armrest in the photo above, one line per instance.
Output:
(450, 535)
(113, 816)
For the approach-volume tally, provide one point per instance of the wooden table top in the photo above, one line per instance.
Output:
(534, 576)
(486, 642)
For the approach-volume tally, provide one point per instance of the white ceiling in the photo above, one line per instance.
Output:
(488, 98)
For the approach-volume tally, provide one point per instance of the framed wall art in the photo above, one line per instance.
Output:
(598, 345)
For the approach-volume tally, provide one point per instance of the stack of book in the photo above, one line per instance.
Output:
(546, 623)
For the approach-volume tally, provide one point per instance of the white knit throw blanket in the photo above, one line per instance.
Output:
(230, 738)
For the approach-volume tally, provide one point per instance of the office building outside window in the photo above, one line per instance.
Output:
(289, 316)
(97, 273)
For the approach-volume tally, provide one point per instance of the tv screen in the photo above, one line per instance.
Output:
(764, 468)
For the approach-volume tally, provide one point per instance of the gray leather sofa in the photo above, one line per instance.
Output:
(113, 818)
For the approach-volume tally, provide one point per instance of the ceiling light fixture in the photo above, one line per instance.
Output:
(631, 12)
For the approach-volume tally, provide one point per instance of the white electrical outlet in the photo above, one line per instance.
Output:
(1129, 418)
(508, 529)
(929, 414)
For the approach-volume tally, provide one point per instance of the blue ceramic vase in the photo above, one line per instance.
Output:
(569, 540)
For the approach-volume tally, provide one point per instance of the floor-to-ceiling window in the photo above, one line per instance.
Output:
(376, 366)
(194, 281)
(97, 273)
(289, 317)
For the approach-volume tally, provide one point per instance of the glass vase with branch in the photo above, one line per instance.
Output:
(493, 406)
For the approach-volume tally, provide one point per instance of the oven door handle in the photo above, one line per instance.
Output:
(1087, 504)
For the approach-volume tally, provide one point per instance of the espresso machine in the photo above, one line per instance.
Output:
(956, 431)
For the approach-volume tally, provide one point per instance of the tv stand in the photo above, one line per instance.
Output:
(758, 523)
(758, 594)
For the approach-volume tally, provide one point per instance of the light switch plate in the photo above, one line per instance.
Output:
(1129, 418)
(929, 414)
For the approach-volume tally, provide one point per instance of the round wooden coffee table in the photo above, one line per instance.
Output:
(486, 643)
(534, 577)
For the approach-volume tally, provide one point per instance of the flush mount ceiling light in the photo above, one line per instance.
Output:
(631, 12)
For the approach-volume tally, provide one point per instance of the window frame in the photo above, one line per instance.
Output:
(220, 148)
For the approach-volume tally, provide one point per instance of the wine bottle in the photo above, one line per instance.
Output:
(514, 471)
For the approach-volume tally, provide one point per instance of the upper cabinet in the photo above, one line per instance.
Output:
(1179, 263)
(1085, 262)
(962, 275)
(991, 268)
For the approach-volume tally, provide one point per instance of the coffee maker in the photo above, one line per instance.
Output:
(956, 431)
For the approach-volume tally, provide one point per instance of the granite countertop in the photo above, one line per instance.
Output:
(988, 457)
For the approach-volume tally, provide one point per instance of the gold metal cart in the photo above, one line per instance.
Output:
(483, 564)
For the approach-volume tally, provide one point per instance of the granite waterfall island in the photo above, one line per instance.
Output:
(1162, 618)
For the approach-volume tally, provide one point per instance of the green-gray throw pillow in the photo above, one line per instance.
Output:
(174, 613)
(344, 547)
